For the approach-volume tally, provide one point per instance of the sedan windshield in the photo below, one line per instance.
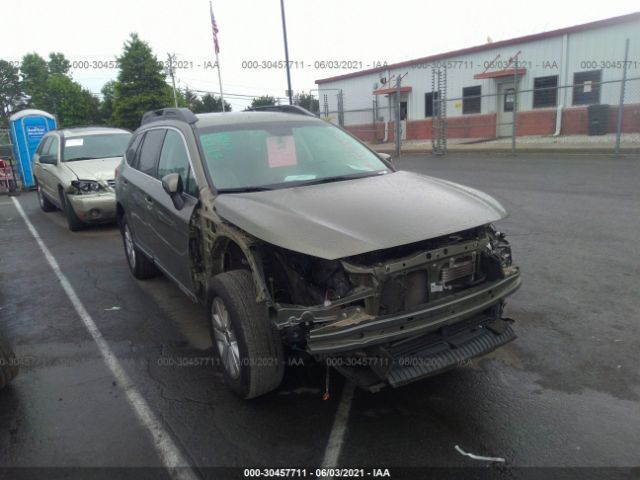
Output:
(285, 154)
(95, 146)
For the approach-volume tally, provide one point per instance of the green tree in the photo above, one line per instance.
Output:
(35, 72)
(192, 101)
(106, 106)
(141, 84)
(263, 101)
(11, 96)
(72, 104)
(211, 103)
(58, 63)
(308, 101)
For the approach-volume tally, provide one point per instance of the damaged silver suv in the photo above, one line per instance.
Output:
(297, 237)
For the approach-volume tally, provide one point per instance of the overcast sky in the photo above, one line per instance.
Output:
(250, 30)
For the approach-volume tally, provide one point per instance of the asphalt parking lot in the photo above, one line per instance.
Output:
(566, 393)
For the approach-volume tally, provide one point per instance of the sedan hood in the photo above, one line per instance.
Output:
(98, 169)
(340, 219)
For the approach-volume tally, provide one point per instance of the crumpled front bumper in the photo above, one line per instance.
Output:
(331, 339)
(400, 363)
(97, 207)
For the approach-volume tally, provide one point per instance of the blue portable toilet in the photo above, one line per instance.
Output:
(27, 127)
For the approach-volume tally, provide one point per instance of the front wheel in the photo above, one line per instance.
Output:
(247, 344)
(73, 222)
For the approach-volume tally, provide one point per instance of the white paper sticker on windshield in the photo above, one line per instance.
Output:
(295, 178)
(74, 142)
(281, 151)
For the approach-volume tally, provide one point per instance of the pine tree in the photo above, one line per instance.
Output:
(141, 84)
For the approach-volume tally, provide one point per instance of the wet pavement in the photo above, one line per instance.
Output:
(566, 393)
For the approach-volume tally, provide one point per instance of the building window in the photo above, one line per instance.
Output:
(430, 109)
(471, 99)
(545, 91)
(586, 87)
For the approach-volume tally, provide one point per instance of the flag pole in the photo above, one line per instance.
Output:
(220, 82)
(216, 48)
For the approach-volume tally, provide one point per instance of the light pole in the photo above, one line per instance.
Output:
(286, 53)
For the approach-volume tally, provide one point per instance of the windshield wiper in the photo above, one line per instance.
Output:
(244, 189)
(89, 158)
(338, 178)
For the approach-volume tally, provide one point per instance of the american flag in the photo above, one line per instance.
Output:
(214, 27)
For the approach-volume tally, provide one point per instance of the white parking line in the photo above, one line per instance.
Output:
(167, 450)
(339, 428)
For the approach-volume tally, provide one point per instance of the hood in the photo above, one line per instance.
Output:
(98, 169)
(340, 219)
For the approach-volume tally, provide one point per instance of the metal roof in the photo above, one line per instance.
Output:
(489, 46)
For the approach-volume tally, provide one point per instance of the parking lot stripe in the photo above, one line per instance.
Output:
(339, 428)
(169, 454)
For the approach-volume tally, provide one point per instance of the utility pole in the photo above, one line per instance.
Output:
(623, 84)
(286, 53)
(171, 62)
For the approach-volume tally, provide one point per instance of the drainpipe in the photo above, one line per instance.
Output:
(386, 122)
(564, 69)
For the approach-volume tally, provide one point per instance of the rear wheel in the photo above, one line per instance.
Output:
(246, 342)
(73, 222)
(44, 202)
(139, 265)
(8, 364)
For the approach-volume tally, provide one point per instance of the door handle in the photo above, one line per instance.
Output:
(148, 199)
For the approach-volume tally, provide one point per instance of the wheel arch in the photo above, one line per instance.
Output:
(229, 253)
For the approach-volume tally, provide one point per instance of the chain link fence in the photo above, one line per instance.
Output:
(560, 115)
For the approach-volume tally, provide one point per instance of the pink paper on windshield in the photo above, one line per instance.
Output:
(281, 151)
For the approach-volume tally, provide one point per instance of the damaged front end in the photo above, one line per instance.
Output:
(393, 316)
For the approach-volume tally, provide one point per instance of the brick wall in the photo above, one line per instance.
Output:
(530, 122)
(574, 120)
(472, 126)
(536, 122)
(367, 132)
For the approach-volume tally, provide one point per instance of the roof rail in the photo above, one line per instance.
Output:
(284, 109)
(181, 114)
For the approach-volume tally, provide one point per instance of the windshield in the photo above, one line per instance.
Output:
(284, 154)
(95, 146)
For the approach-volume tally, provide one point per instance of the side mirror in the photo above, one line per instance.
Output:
(48, 159)
(172, 184)
(386, 157)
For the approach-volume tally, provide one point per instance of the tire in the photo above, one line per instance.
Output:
(258, 350)
(73, 222)
(139, 265)
(8, 365)
(44, 202)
